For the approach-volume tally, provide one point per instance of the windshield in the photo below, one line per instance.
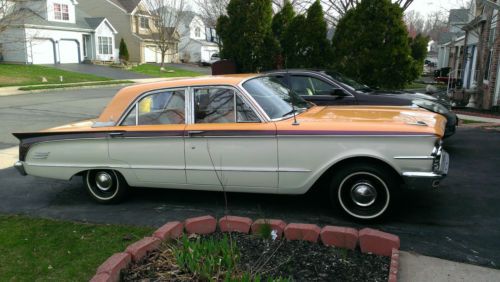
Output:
(274, 98)
(348, 81)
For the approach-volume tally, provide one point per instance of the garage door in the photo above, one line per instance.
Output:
(42, 51)
(150, 54)
(68, 52)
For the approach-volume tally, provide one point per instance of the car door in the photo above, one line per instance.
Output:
(319, 91)
(150, 139)
(227, 144)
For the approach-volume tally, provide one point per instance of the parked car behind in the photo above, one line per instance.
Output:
(243, 133)
(332, 88)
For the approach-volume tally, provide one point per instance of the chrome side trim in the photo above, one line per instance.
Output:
(175, 168)
(414, 157)
(79, 165)
(421, 174)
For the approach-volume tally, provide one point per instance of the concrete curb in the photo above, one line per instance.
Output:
(371, 241)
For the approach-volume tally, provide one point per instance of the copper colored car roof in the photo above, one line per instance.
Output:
(125, 96)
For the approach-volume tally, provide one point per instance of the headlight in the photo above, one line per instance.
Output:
(431, 106)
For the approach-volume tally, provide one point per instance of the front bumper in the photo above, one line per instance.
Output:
(426, 180)
(19, 165)
(451, 124)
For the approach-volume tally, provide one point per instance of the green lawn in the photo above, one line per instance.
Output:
(416, 85)
(468, 121)
(154, 70)
(13, 75)
(42, 250)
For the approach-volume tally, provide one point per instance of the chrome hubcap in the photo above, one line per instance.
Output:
(363, 194)
(103, 181)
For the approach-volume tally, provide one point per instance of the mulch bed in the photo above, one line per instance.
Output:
(297, 260)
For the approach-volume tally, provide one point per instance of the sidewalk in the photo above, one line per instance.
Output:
(418, 268)
(478, 118)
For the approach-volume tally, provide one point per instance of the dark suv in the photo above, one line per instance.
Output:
(332, 88)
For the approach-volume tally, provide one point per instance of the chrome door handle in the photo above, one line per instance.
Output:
(116, 134)
(194, 132)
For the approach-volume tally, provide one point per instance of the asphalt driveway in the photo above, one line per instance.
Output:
(460, 221)
(104, 71)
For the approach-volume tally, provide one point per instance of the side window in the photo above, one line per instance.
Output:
(301, 85)
(244, 113)
(321, 87)
(305, 85)
(166, 107)
(217, 105)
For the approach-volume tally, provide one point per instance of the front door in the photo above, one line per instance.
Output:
(87, 45)
(150, 140)
(227, 145)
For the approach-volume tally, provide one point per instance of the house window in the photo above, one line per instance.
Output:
(144, 22)
(105, 45)
(61, 12)
(197, 32)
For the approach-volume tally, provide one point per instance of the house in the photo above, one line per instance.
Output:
(57, 32)
(135, 24)
(482, 35)
(197, 41)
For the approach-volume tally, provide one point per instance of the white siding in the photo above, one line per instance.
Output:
(105, 30)
(71, 10)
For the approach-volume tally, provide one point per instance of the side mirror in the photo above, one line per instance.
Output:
(338, 92)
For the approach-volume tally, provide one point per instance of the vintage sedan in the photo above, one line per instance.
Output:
(243, 133)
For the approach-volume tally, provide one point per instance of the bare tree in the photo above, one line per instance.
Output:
(211, 10)
(299, 5)
(166, 17)
(415, 21)
(336, 9)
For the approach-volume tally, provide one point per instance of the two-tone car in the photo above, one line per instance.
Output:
(243, 133)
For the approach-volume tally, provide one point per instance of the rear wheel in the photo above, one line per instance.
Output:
(105, 186)
(363, 191)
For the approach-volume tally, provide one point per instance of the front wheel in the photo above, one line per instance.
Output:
(105, 186)
(363, 191)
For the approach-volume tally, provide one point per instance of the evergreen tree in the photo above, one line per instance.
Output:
(124, 56)
(304, 41)
(246, 35)
(280, 23)
(319, 50)
(293, 43)
(370, 44)
(418, 47)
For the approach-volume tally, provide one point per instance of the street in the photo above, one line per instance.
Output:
(460, 221)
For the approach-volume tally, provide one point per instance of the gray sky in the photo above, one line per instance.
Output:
(425, 7)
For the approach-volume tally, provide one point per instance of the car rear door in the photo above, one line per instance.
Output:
(149, 143)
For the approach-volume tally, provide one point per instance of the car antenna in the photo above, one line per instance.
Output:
(295, 122)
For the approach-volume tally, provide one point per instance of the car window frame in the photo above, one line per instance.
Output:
(135, 106)
(190, 117)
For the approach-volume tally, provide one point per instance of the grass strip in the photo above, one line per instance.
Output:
(55, 86)
(154, 70)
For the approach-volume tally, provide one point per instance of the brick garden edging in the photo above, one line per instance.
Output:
(369, 240)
